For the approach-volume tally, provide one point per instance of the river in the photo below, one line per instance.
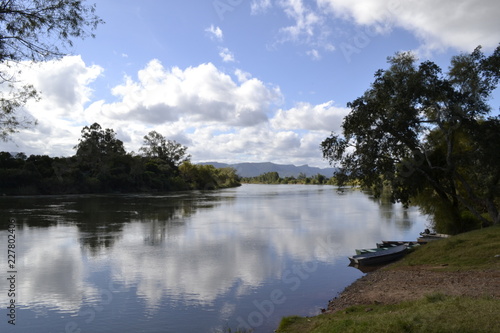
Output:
(212, 261)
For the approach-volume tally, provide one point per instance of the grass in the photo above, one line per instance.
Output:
(475, 250)
(472, 251)
(435, 313)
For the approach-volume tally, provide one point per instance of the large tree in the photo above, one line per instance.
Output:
(169, 151)
(419, 132)
(35, 30)
(97, 148)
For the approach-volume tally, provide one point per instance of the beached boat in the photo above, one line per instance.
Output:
(377, 249)
(386, 244)
(379, 257)
(426, 237)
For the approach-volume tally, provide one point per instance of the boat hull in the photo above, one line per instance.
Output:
(379, 257)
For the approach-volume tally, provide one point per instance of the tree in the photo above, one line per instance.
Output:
(418, 130)
(172, 152)
(97, 147)
(35, 30)
(269, 177)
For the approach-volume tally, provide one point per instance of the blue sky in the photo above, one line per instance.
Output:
(238, 80)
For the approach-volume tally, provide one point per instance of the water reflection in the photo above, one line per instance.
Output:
(208, 251)
(51, 270)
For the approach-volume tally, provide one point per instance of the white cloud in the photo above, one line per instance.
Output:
(226, 54)
(63, 84)
(260, 6)
(309, 26)
(200, 94)
(218, 116)
(215, 32)
(460, 24)
(322, 117)
(306, 19)
(242, 75)
(321, 25)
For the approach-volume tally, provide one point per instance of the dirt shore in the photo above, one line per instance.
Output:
(409, 283)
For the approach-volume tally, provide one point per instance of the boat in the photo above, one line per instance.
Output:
(377, 249)
(379, 257)
(427, 236)
(385, 244)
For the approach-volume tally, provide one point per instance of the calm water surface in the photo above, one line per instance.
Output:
(188, 261)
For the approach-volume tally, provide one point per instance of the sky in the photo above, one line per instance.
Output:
(237, 80)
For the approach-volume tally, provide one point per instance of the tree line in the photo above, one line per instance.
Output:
(101, 165)
(274, 178)
(427, 137)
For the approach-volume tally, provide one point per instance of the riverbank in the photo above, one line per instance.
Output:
(390, 286)
(435, 288)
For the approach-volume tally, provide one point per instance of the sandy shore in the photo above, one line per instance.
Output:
(399, 284)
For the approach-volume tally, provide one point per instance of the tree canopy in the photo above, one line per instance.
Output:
(169, 151)
(35, 30)
(101, 165)
(424, 133)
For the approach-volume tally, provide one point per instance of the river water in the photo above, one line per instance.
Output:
(215, 261)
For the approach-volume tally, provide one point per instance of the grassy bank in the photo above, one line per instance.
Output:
(471, 252)
(475, 250)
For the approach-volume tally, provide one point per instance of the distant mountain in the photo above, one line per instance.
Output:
(256, 169)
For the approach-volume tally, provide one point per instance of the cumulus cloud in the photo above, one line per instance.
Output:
(242, 75)
(63, 84)
(460, 24)
(322, 117)
(229, 118)
(259, 144)
(200, 94)
(65, 88)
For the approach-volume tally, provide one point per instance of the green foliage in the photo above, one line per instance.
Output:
(207, 177)
(269, 178)
(172, 152)
(10, 102)
(420, 132)
(34, 30)
(288, 321)
(97, 149)
(274, 178)
(101, 165)
(474, 250)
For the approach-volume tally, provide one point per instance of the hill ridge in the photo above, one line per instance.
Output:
(253, 169)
